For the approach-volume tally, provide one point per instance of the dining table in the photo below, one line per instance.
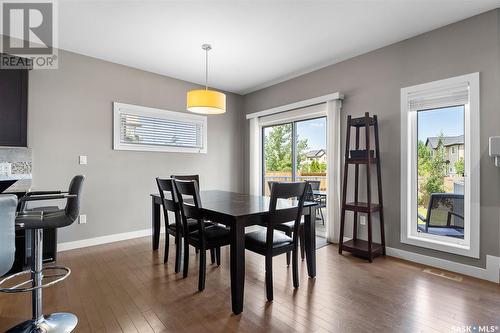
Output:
(238, 211)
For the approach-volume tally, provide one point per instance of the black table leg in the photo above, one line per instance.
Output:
(155, 219)
(237, 266)
(310, 241)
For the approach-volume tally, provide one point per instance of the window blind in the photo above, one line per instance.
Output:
(144, 130)
(147, 129)
(457, 94)
(307, 112)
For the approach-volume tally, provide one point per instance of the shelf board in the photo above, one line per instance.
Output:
(373, 160)
(360, 247)
(360, 122)
(362, 207)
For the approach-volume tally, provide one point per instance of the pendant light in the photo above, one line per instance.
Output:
(206, 101)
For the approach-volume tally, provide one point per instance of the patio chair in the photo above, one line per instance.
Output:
(319, 199)
(445, 215)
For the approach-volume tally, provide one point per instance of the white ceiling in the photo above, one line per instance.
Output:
(255, 43)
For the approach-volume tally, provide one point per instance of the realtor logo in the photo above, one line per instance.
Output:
(29, 32)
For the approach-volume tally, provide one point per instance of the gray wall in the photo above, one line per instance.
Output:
(70, 114)
(372, 82)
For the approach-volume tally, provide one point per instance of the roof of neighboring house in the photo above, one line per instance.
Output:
(447, 141)
(315, 153)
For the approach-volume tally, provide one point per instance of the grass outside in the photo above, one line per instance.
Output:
(422, 211)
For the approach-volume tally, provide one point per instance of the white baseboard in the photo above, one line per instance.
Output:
(490, 273)
(103, 239)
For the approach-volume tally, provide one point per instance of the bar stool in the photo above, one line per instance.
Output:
(35, 222)
(8, 204)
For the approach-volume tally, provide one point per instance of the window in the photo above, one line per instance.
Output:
(147, 129)
(440, 165)
(295, 152)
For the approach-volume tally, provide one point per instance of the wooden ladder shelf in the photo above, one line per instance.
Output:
(364, 248)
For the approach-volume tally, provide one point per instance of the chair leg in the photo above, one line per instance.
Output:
(302, 244)
(212, 256)
(178, 253)
(269, 278)
(322, 217)
(167, 245)
(217, 255)
(203, 265)
(295, 267)
(289, 234)
(186, 258)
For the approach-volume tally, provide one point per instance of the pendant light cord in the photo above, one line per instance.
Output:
(206, 69)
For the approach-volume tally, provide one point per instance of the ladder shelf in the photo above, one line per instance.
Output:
(370, 156)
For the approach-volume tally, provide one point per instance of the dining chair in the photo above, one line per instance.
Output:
(171, 204)
(287, 227)
(187, 177)
(197, 179)
(205, 237)
(270, 242)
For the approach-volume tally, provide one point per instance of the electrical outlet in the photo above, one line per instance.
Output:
(83, 160)
(82, 219)
(362, 220)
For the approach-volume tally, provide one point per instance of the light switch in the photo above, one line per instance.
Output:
(82, 219)
(83, 159)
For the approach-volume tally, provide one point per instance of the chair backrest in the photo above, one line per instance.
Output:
(73, 203)
(297, 191)
(446, 210)
(170, 203)
(187, 177)
(188, 190)
(8, 204)
(315, 184)
(270, 184)
(309, 190)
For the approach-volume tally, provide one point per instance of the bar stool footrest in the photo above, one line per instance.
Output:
(17, 288)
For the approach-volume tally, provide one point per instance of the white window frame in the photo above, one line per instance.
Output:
(120, 108)
(469, 246)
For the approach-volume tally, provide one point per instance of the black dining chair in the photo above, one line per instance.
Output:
(170, 203)
(270, 242)
(206, 236)
(287, 227)
(187, 177)
(197, 179)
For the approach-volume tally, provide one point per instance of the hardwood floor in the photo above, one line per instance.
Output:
(125, 287)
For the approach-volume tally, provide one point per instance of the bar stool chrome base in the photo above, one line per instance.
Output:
(54, 323)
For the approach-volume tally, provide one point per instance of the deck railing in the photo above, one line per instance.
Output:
(283, 177)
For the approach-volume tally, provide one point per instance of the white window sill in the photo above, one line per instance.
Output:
(438, 243)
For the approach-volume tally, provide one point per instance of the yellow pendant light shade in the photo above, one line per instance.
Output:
(206, 101)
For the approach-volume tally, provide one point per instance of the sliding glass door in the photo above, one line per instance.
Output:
(296, 151)
(278, 155)
(311, 151)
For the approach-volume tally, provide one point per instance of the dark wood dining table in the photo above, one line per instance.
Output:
(238, 211)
